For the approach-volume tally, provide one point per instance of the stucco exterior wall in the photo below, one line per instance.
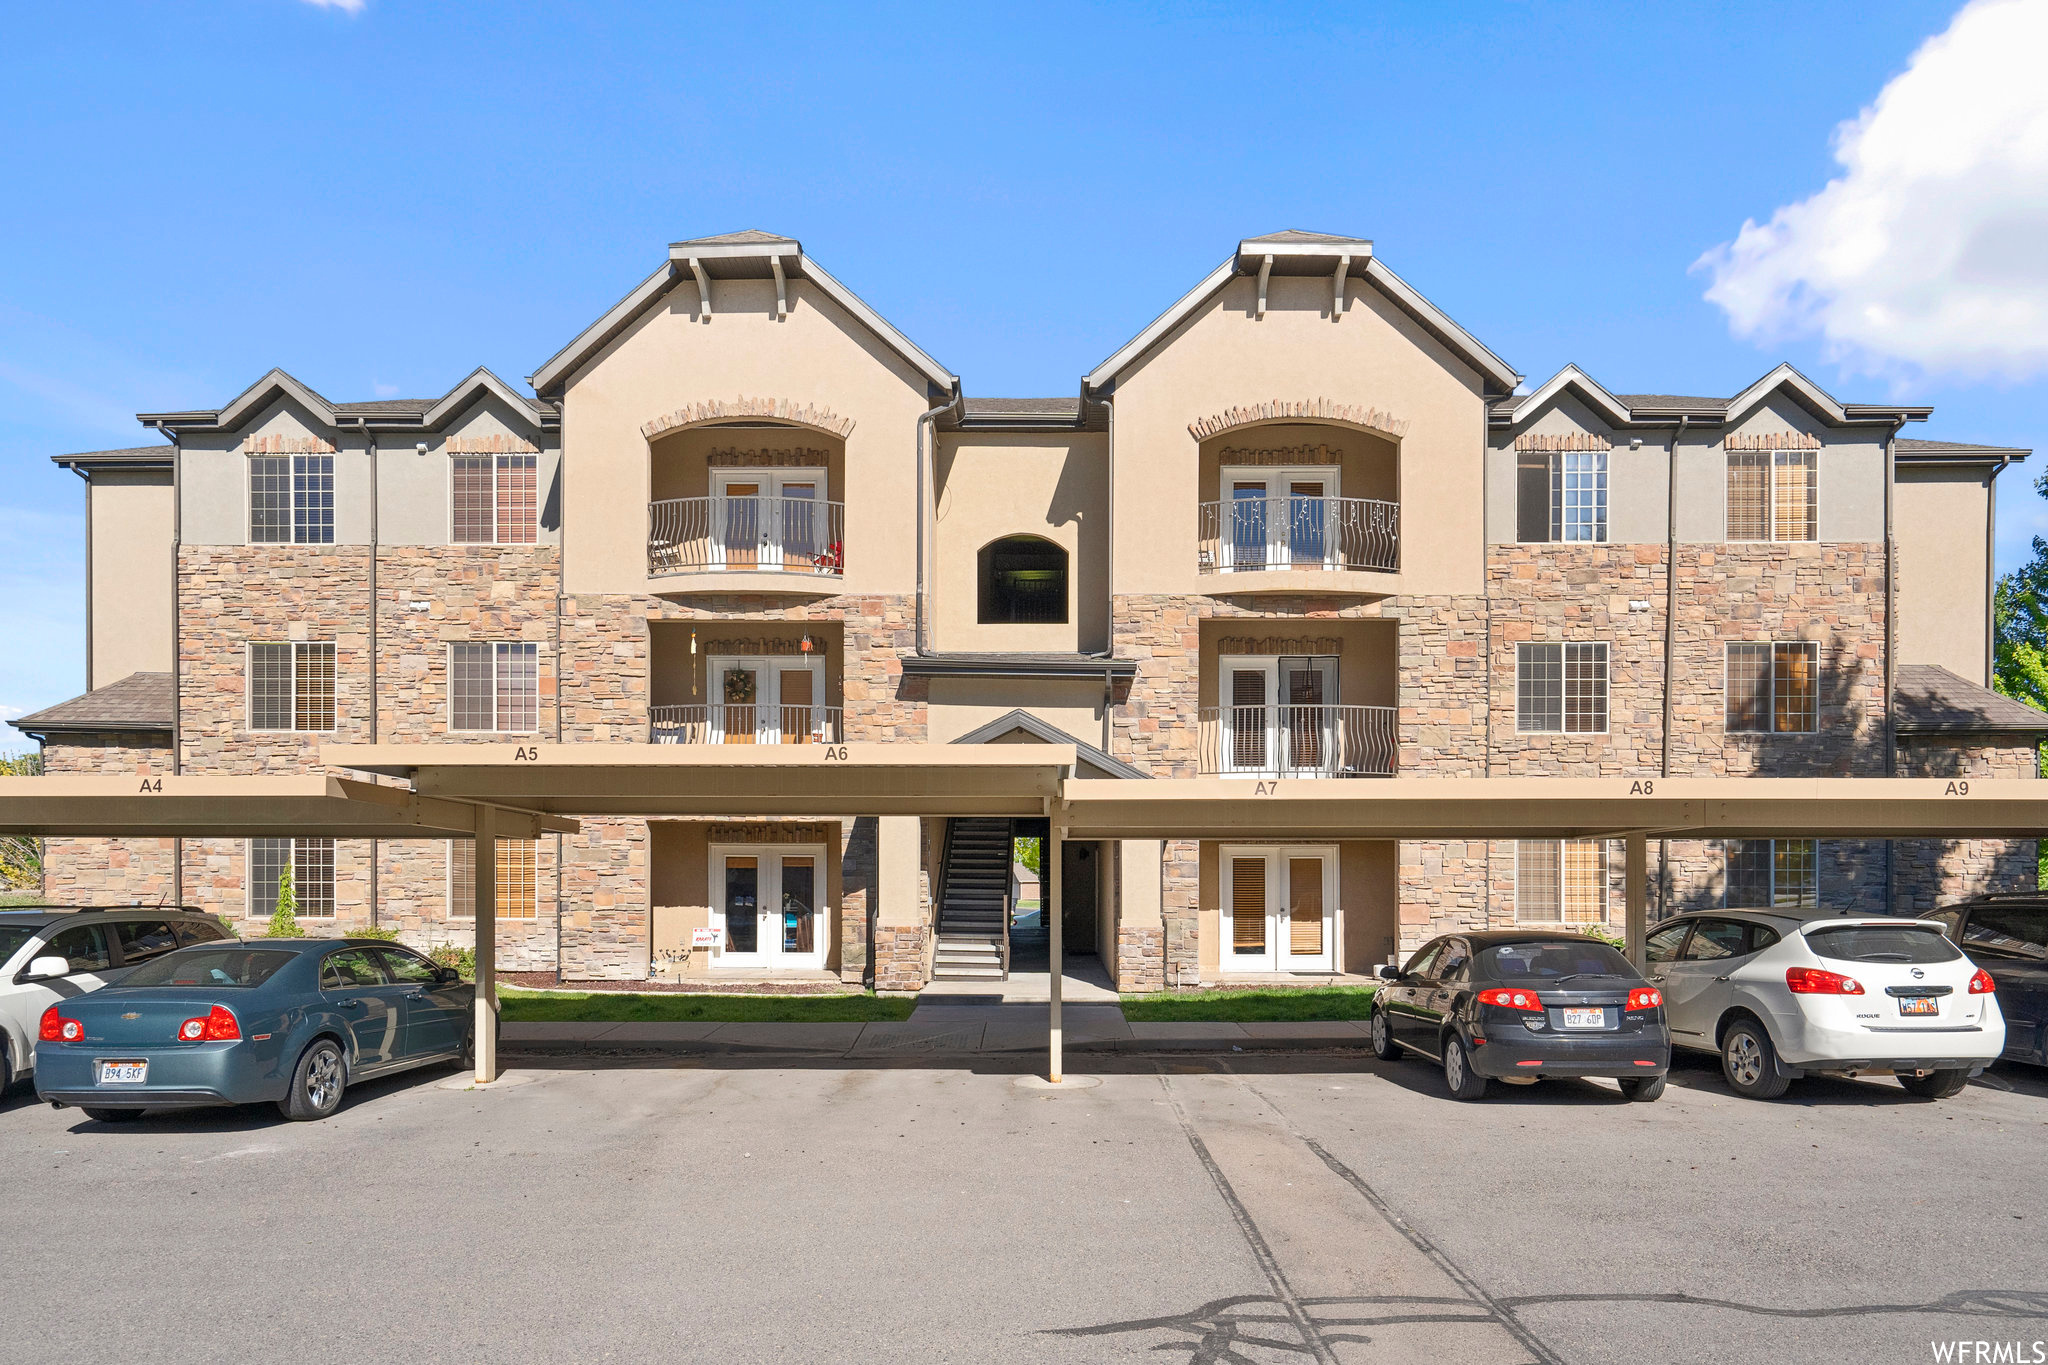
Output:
(1940, 522)
(131, 574)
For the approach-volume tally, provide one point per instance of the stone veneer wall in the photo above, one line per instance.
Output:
(108, 871)
(1933, 872)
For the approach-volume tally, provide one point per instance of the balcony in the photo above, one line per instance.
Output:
(748, 723)
(1300, 533)
(803, 538)
(1299, 741)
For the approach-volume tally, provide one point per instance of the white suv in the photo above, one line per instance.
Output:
(96, 948)
(1780, 996)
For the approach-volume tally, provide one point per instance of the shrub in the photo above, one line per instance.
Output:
(463, 960)
(284, 921)
(382, 933)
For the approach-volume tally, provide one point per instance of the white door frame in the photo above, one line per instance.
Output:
(768, 889)
(768, 515)
(1279, 537)
(1278, 761)
(768, 670)
(1277, 957)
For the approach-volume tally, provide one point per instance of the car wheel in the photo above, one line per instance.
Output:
(1383, 1045)
(1750, 1062)
(1464, 1082)
(1936, 1085)
(468, 1056)
(1642, 1089)
(317, 1083)
(98, 1115)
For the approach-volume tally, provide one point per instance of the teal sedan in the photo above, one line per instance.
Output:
(290, 1022)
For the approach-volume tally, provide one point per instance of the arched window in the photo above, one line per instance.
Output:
(1023, 580)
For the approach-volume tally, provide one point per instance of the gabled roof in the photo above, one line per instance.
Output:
(1308, 253)
(85, 462)
(749, 254)
(1665, 409)
(1044, 732)
(1909, 451)
(1819, 401)
(1573, 379)
(138, 702)
(390, 414)
(1025, 414)
(1930, 700)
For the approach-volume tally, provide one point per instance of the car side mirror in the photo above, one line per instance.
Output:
(44, 968)
(1390, 973)
(446, 975)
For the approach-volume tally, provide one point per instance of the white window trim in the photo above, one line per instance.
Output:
(1606, 891)
(1606, 710)
(1277, 477)
(249, 879)
(822, 928)
(1770, 702)
(1555, 512)
(249, 688)
(448, 667)
(1276, 960)
(1771, 536)
(1269, 664)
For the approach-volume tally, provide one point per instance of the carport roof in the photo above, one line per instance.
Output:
(136, 806)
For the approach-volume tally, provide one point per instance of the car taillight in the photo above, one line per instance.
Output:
(1816, 981)
(1509, 999)
(56, 1028)
(1982, 984)
(1644, 998)
(218, 1026)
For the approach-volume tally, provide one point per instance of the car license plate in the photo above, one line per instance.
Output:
(124, 1073)
(1591, 1018)
(1919, 1004)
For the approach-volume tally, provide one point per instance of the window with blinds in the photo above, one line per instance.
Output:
(518, 864)
(1773, 688)
(494, 499)
(312, 865)
(494, 685)
(291, 685)
(1771, 874)
(1561, 881)
(1773, 494)
(1248, 905)
(1304, 906)
(1561, 688)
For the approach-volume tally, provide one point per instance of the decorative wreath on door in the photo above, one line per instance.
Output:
(739, 687)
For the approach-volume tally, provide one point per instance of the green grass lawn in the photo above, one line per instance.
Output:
(617, 1007)
(1250, 1006)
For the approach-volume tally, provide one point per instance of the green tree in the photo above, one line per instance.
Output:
(21, 855)
(284, 921)
(1031, 852)
(2019, 638)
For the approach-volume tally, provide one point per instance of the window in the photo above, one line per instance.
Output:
(350, 967)
(1023, 581)
(2019, 930)
(1774, 688)
(83, 945)
(494, 687)
(1423, 964)
(1772, 874)
(312, 865)
(198, 931)
(239, 968)
(291, 499)
(1773, 494)
(1561, 689)
(142, 940)
(291, 686)
(1578, 495)
(518, 879)
(408, 968)
(1713, 939)
(1278, 904)
(1917, 943)
(1663, 945)
(1561, 881)
(494, 498)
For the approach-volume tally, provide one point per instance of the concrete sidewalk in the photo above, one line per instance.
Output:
(945, 1028)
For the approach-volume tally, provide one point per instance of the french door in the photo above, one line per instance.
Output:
(774, 700)
(766, 905)
(767, 519)
(1279, 716)
(1279, 909)
(1280, 518)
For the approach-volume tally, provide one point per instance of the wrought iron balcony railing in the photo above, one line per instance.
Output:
(746, 535)
(1248, 534)
(745, 723)
(1299, 741)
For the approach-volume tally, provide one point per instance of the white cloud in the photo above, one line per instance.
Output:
(347, 6)
(1925, 255)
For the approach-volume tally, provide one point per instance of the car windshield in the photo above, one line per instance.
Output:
(2017, 929)
(1883, 943)
(1555, 960)
(236, 967)
(12, 936)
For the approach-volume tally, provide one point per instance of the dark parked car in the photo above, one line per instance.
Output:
(292, 1022)
(2008, 937)
(1520, 1005)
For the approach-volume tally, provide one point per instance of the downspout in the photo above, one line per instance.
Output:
(1990, 568)
(370, 445)
(927, 439)
(1891, 639)
(88, 574)
(1670, 646)
(1109, 558)
(561, 587)
(177, 652)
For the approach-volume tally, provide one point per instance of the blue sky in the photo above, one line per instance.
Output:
(380, 196)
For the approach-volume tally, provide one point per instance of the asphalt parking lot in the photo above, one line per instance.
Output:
(1258, 1208)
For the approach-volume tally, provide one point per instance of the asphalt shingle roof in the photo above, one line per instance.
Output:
(161, 451)
(1930, 700)
(140, 701)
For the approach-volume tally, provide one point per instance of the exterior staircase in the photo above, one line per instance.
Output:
(974, 902)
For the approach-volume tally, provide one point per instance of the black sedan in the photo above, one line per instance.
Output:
(1520, 1005)
(2007, 935)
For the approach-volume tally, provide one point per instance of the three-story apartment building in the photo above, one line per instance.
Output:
(1302, 526)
